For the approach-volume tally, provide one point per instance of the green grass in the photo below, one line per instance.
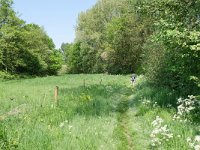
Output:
(88, 112)
(94, 112)
(142, 115)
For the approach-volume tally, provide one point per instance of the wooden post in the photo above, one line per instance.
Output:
(56, 95)
(100, 82)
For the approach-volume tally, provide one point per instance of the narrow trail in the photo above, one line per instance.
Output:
(123, 125)
(15, 111)
(126, 131)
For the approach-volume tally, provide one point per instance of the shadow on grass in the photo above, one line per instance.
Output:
(161, 96)
(94, 100)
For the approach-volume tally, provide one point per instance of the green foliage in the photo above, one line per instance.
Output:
(148, 102)
(54, 62)
(110, 38)
(65, 50)
(25, 48)
(124, 45)
(145, 90)
(74, 59)
(5, 75)
(172, 52)
(157, 38)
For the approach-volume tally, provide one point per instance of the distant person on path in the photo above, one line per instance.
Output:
(133, 77)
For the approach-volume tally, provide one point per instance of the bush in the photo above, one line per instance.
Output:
(8, 76)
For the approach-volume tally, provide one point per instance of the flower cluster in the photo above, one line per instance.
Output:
(185, 106)
(194, 143)
(85, 98)
(155, 104)
(169, 105)
(160, 133)
(146, 102)
(63, 123)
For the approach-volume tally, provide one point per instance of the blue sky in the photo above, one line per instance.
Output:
(58, 17)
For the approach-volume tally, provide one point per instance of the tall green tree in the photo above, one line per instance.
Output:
(176, 34)
(25, 48)
(10, 26)
(110, 37)
(74, 59)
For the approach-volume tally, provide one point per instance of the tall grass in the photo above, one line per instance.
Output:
(94, 112)
(148, 102)
(85, 118)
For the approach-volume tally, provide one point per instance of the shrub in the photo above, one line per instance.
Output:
(188, 109)
(8, 76)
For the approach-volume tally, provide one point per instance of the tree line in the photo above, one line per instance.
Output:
(158, 38)
(25, 48)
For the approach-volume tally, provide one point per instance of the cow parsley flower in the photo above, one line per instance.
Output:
(194, 143)
(61, 124)
(185, 107)
(160, 133)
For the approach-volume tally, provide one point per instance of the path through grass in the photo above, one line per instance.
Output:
(87, 116)
(104, 113)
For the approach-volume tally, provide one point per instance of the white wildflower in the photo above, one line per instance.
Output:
(191, 96)
(194, 143)
(178, 136)
(189, 139)
(61, 124)
(185, 106)
(146, 102)
(197, 138)
(169, 105)
(155, 104)
(197, 147)
(160, 132)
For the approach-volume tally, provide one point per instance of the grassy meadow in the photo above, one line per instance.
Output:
(94, 112)
(86, 117)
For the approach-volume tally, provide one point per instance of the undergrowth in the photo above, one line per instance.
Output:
(150, 104)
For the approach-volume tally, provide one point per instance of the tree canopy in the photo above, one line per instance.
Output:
(159, 38)
(25, 48)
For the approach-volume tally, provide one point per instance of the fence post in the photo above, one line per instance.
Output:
(100, 82)
(56, 95)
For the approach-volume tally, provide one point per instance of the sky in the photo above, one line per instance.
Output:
(58, 17)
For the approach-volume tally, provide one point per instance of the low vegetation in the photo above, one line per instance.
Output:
(94, 112)
(154, 119)
(86, 117)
